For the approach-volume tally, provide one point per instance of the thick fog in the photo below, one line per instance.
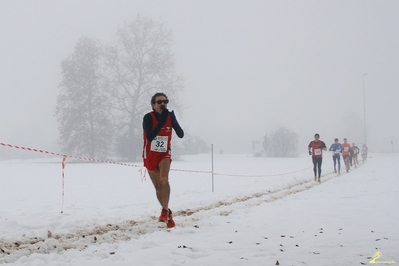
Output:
(249, 66)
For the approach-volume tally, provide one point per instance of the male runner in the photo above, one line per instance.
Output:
(316, 148)
(157, 135)
(336, 148)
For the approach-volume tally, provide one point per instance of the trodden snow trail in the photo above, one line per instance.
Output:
(11, 251)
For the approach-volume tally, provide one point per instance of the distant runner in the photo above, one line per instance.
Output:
(355, 150)
(316, 148)
(336, 148)
(364, 152)
(346, 147)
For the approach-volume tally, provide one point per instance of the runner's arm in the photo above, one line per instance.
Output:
(176, 126)
(324, 147)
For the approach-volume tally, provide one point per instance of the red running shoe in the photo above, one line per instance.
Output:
(164, 216)
(170, 223)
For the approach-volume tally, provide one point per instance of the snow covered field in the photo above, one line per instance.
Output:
(271, 211)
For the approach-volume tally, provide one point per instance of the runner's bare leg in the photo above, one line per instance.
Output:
(160, 179)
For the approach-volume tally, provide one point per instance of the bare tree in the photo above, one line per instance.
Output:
(281, 143)
(81, 109)
(139, 64)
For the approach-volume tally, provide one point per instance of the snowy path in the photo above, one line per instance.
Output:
(295, 220)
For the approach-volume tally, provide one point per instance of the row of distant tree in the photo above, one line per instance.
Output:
(281, 142)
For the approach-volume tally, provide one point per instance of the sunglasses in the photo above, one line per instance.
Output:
(162, 101)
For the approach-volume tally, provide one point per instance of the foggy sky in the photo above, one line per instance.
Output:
(249, 66)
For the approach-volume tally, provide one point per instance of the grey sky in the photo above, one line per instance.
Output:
(249, 66)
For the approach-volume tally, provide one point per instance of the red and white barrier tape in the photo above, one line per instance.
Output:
(88, 159)
(269, 175)
(143, 173)
(66, 156)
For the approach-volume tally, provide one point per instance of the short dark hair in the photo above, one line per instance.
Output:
(156, 95)
(317, 135)
(335, 139)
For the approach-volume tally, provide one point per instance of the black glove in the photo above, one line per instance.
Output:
(163, 117)
(310, 153)
(173, 116)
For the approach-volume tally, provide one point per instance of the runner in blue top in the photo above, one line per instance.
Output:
(336, 148)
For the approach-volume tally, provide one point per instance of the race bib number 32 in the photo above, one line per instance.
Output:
(159, 144)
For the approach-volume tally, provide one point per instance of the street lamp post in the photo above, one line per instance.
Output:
(364, 110)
